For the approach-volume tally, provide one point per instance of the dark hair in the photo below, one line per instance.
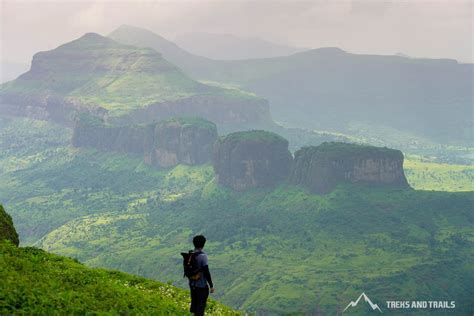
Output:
(199, 241)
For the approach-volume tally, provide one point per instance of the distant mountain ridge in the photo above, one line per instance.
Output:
(231, 47)
(334, 90)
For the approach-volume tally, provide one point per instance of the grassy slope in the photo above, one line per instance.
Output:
(37, 282)
(426, 175)
(300, 252)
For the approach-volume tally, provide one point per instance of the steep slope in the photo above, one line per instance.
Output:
(250, 159)
(121, 83)
(231, 47)
(331, 89)
(165, 143)
(321, 168)
(7, 230)
(37, 282)
(187, 141)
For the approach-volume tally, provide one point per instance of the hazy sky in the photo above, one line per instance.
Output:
(418, 28)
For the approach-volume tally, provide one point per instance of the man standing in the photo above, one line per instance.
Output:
(200, 286)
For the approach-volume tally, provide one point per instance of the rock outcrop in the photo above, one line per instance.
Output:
(91, 131)
(7, 230)
(244, 160)
(224, 111)
(180, 141)
(323, 167)
(164, 144)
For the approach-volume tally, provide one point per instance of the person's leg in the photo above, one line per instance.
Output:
(201, 300)
(194, 299)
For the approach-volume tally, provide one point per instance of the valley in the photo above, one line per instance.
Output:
(112, 210)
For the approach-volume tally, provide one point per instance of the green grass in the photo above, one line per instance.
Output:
(7, 231)
(279, 250)
(254, 135)
(35, 282)
(426, 175)
(340, 149)
(191, 121)
(125, 92)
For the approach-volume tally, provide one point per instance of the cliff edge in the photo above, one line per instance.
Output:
(323, 167)
(249, 159)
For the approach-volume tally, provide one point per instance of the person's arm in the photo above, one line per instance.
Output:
(206, 272)
(207, 275)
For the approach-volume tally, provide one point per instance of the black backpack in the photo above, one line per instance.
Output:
(190, 267)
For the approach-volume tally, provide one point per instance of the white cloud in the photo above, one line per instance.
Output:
(419, 28)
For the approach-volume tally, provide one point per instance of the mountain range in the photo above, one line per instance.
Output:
(231, 47)
(331, 89)
(122, 84)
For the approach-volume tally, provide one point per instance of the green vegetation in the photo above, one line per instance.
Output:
(90, 120)
(424, 174)
(337, 149)
(35, 282)
(409, 142)
(7, 230)
(279, 250)
(295, 251)
(255, 135)
(46, 183)
(191, 121)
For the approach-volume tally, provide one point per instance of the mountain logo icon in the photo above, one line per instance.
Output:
(366, 299)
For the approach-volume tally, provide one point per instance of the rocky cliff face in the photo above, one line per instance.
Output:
(91, 131)
(250, 159)
(7, 230)
(222, 110)
(46, 106)
(180, 141)
(163, 144)
(323, 167)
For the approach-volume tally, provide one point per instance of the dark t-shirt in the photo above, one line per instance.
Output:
(202, 262)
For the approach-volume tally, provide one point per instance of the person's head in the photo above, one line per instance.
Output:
(199, 241)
